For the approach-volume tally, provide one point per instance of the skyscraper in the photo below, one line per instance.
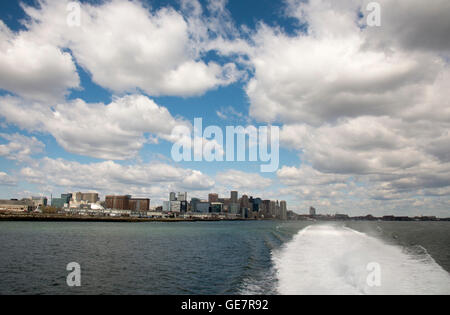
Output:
(245, 202)
(118, 202)
(213, 198)
(194, 202)
(265, 208)
(272, 209)
(89, 197)
(61, 202)
(85, 197)
(257, 204)
(283, 210)
(234, 197)
(312, 211)
(182, 196)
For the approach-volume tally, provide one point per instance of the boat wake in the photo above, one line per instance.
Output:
(328, 259)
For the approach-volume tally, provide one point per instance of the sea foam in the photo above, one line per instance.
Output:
(331, 259)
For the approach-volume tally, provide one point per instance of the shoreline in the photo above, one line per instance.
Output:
(64, 218)
(35, 217)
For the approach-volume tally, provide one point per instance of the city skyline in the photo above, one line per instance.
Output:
(79, 205)
(362, 107)
(94, 197)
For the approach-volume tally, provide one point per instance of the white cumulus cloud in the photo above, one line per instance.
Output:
(127, 46)
(115, 131)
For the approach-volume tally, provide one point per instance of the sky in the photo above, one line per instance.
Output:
(363, 109)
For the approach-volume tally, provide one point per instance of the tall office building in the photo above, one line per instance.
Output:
(234, 197)
(24, 205)
(265, 208)
(67, 197)
(312, 211)
(61, 202)
(283, 210)
(89, 197)
(245, 202)
(193, 203)
(139, 204)
(184, 206)
(166, 206)
(77, 197)
(175, 206)
(203, 207)
(80, 197)
(216, 207)
(213, 198)
(234, 208)
(38, 202)
(118, 202)
(182, 196)
(272, 208)
(172, 197)
(127, 203)
(257, 204)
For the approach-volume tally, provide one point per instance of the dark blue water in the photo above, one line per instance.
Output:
(191, 258)
(143, 258)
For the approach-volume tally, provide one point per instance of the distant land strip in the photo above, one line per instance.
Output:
(64, 218)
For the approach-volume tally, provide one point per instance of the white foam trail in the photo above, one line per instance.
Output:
(327, 259)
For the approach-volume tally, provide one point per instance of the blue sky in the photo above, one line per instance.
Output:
(204, 106)
(81, 106)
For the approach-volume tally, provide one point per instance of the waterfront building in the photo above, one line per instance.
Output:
(234, 197)
(66, 196)
(283, 210)
(76, 197)
(277, 210)
(127, 203)
(213, 198)
(182, 196)
(272, 209)
(80, 197)
(257, 202)
(62, 202)
(172, 197)
(184, 206)
(225, 201)
(264, 208)
(118, 202)
(175, 206)
(193, 203)
(166, 206)
(90, 197)
(245, 213)
(38, 202)
(216, 207)
(245, 202)
(16, 206)
(312, 211)
(203, 207)
(139, 204)
(234, 208)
